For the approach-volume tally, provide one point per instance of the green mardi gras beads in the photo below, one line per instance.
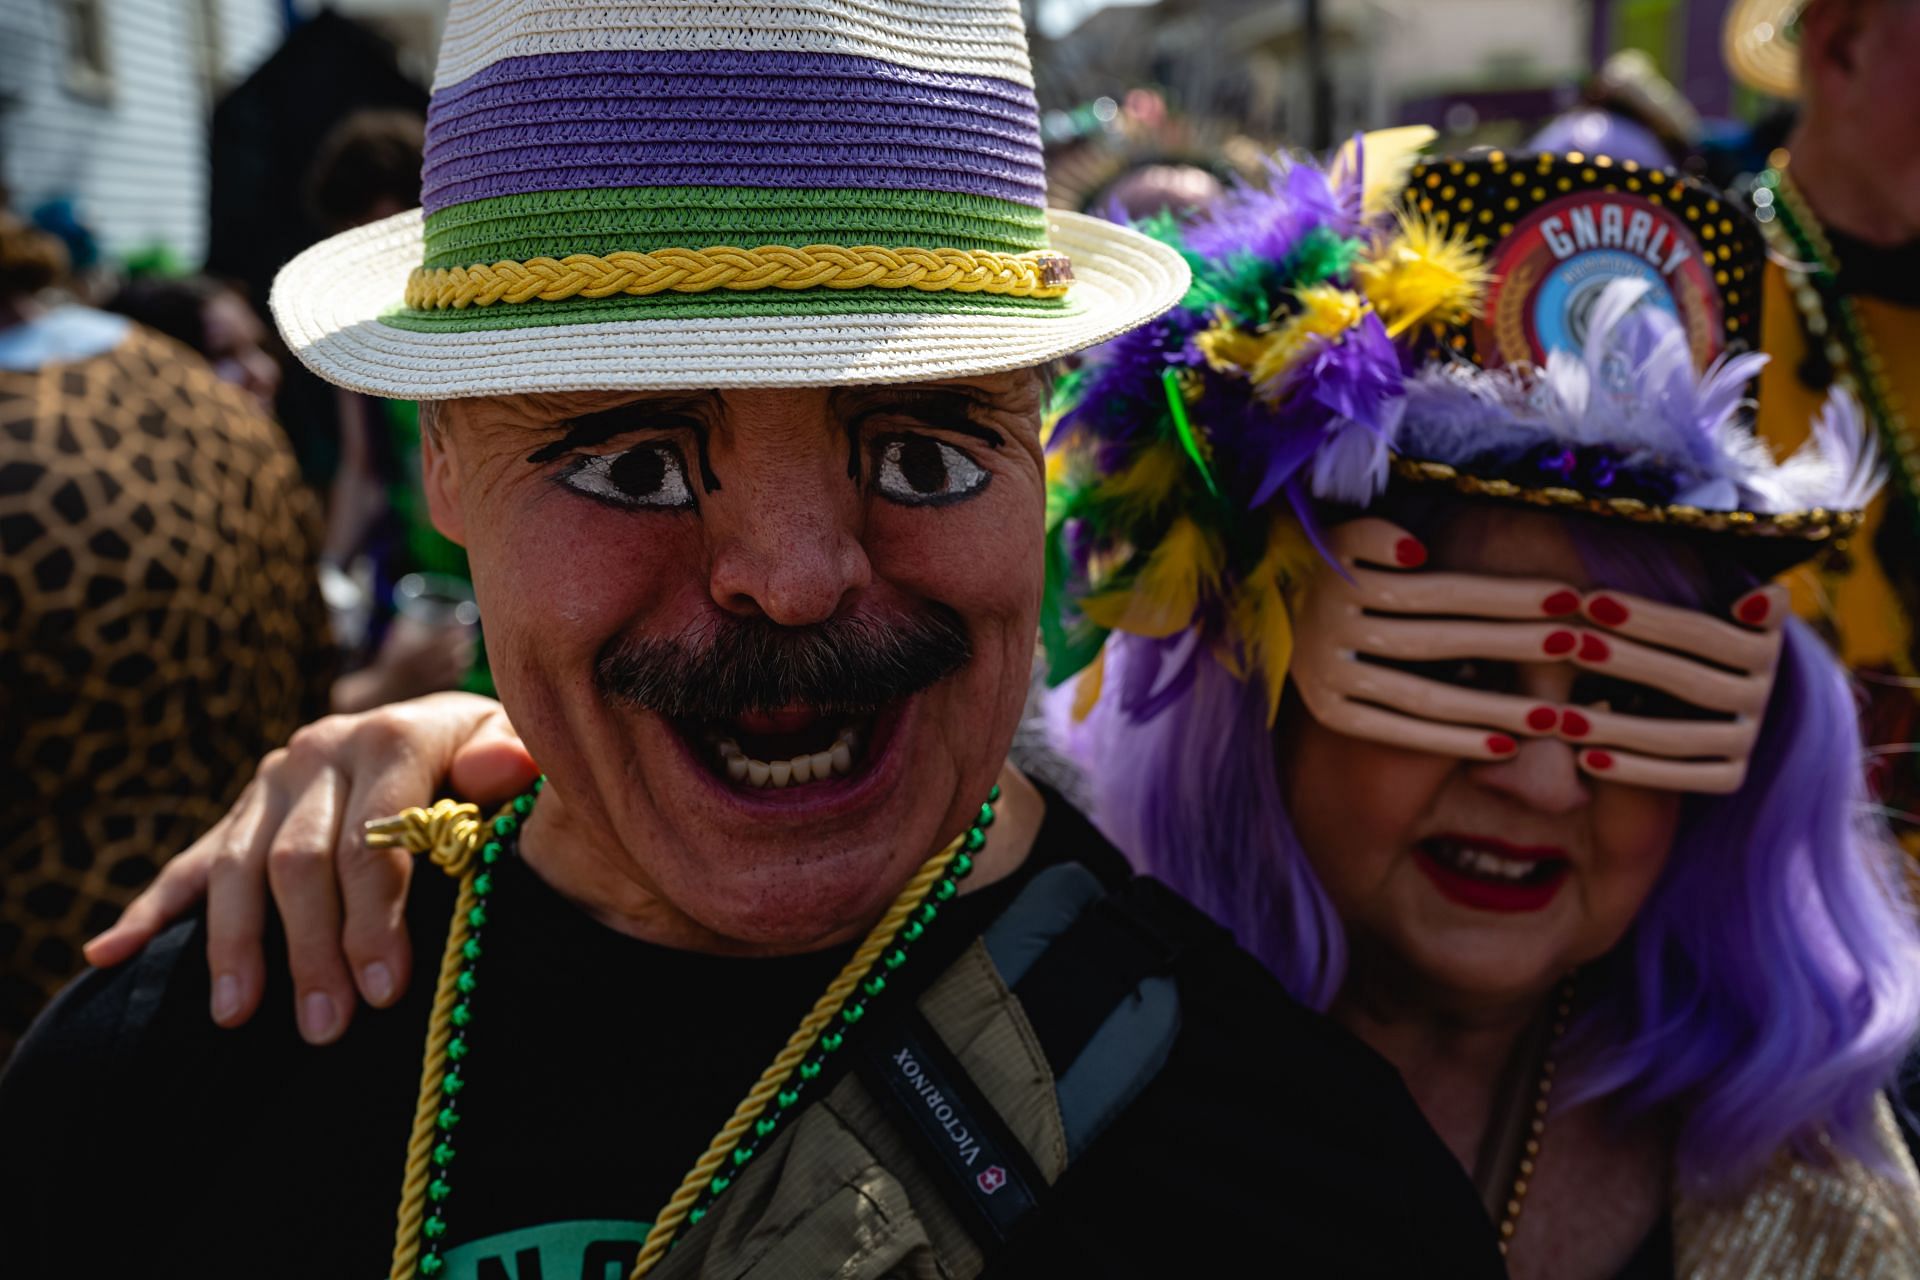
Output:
(851, 1013)
(505, 829)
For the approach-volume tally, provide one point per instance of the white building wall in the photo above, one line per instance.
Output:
(1428, 45)
(131, 151)
(249, 32)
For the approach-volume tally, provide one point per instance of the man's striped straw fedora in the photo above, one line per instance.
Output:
(704, 194)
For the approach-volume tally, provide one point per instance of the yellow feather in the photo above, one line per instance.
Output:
(1326, 311)
(1144, 487)
(1262, 618)
(1087, 686)
(1390, 155)
(1056, 469)
(1162, 599)
(1228, 349)
(1423, 275)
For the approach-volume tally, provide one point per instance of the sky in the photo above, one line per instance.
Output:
(1057, 17)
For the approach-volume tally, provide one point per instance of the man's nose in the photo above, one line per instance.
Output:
(788, 546)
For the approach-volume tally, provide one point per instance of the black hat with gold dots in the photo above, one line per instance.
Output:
(1558, 238)
(1555, 230)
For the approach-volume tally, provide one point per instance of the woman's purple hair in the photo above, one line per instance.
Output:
(1771, 984)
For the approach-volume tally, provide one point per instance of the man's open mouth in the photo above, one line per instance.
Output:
(792, 747)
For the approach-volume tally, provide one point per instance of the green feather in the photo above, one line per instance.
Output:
(1069, 640)
(1177, 404)
(1322, 254)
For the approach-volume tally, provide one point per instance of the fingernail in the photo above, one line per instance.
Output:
(1593, 649)
(1541, 719)
(1409, 553)
(226, 997)
(1607, 611)
(1599, 760)
(1560, 604)
(377, 981)
(1561, 642)
(1574, 725)
(316, 1015)
(1501, 745)
(1754, 609)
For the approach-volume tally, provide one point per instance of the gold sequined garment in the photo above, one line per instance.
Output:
(1808, 1221)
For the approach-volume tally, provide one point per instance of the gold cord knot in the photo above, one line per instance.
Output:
(448, 833)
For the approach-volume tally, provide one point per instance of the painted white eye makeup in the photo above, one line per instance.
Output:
(919, 471)
(646, 476)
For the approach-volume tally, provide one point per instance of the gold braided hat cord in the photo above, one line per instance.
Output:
(1043, 274)
(450, 834)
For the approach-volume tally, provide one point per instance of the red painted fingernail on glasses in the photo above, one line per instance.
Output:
(1607, 611)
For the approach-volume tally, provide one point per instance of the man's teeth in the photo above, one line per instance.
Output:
(815, 767)
(1481, 863)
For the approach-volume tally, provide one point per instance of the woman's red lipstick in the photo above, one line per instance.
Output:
(1483, 871)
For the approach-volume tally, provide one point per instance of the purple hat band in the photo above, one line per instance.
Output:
(729, 118)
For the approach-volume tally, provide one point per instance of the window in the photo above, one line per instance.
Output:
(89, 69)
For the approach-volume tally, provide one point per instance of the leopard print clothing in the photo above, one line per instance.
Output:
(161, 629)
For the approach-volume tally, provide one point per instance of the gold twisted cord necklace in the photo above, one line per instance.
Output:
(459, 843)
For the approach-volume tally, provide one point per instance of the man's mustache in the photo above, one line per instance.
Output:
(732, 666)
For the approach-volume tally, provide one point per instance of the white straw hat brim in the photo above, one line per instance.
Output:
(328, 302)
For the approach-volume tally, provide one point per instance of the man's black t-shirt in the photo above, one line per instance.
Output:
(135, 1133)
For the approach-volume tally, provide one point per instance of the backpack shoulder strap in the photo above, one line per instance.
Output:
(1092, 972)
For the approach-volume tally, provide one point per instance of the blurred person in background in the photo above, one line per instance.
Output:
(160, 622)
(1147, 190)
(214, 320)
(1629, 111)
(378, 533)
(1840, 205)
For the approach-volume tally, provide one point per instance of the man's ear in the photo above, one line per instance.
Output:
(440, 473)
(1830, 35)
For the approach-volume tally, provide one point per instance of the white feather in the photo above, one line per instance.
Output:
(1839, 467)
(1633, 389)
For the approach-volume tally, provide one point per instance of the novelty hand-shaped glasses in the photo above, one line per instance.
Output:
(1674, 700)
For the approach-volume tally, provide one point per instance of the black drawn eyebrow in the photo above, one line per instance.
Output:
(597, 428)
(945, 408)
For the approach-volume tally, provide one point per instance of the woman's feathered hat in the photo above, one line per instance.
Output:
(1560, 332)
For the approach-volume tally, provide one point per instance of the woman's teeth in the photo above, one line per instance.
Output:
(815, 767)
(1478, 862)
